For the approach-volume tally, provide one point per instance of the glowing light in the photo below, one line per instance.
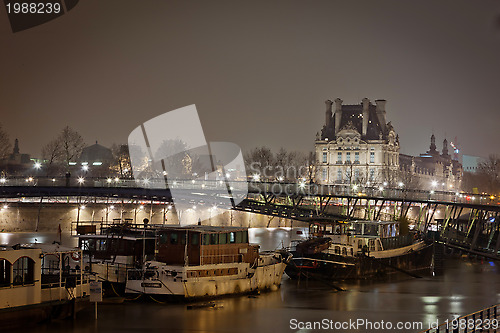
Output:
(400, 184)
(5, 206)
(280, 178)
(385, 183)
(302, 185)
(193, 181)
(81, 180)
(141, 207)
(380, 188)
(85, 168)
(53, 180)
(38, 165)
(194, 207)
(355, 187)
(117, 179)
(169, 207)
(3, 180)
(82, 207)
(30, 179)
(434, 183)
(109, 180)
(432, 192)
(111, 207)
(228, 175)
(146, 181)
(256, 177)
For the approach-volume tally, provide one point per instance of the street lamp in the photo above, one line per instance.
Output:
(81, 180)
(37, 165)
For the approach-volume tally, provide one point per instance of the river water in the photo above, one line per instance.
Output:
(465, 286)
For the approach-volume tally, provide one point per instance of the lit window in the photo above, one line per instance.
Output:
(372, 157)
(356, 157)
(348, 156)
(325, 157)
(339, 175)
(339, 157)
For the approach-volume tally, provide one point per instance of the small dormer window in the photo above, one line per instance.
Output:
(348, 140)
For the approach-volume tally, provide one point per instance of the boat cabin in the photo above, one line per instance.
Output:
(355, 228)
(203, 245)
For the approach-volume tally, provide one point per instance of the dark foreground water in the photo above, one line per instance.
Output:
(466, 286)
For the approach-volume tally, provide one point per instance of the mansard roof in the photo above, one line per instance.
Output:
(354, 114)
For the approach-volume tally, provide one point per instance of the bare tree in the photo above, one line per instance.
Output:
(72, 144)
(5, 145)
(489, 174)
(260, 161)
(52, 154)
(121, 160)
(65, 148)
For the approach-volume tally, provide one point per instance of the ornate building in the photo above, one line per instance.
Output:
(356, 145)
(432, 170)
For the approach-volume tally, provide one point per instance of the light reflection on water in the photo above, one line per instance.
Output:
(465, 287)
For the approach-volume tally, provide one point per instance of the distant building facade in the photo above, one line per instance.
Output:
(16, 163)
(432, 169)
(471, 163)
(358, 146)
(96, 155)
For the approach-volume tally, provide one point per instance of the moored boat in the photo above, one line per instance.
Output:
(359, 250)
(206, 261)
(38, 284)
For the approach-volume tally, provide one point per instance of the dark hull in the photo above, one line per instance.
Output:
(338, 267)
(27, 315)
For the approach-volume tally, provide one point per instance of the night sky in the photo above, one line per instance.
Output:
(258, 71)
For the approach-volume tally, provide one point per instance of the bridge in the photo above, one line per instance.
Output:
(467, 222)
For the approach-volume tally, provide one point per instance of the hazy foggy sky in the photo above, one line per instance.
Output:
(258, 71)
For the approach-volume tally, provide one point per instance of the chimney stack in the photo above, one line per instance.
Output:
(338, 114)
(366, 106)
(328, 112)
(380, 109)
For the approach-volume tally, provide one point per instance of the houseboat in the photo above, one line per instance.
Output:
(206, 261)
(38, 284)
(112, 249)
(359, 250)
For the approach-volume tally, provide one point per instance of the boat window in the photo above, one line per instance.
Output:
(352, 252)
(183, 238)
(239, 237)
(337, 249)
(357, 228)
(245, 237)
(206, 239)
(371, 244)
(360, 243)
(174, 238)
(4, 273)
(194, 239)
(101, 245)
(223, 238)
(344, 251)
(232, 237)
(163, 238)
(23, 271)
(214, 239)
(370, 229)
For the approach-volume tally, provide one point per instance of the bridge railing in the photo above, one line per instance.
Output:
(278, 188)
(486, 320)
